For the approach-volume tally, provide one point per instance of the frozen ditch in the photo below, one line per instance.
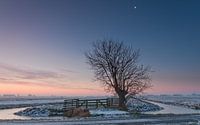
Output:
(8, 114)
(171, 109)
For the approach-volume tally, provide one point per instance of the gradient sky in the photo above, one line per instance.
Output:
(42, 43)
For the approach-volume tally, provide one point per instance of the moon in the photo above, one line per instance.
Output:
(135, 7)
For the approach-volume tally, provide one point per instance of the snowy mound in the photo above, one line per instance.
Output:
(34, 112)
(42, 111)
(138, 105)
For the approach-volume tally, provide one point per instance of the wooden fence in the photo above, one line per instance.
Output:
(91, 103)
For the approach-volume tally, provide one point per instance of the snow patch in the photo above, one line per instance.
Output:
(103, 112)
(139, 105)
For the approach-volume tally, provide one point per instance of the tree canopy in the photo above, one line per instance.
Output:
(117, 67)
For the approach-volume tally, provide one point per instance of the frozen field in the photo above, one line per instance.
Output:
(190, 101)
(100, 116)
(14, 102)
(10, 102)
(43, 107)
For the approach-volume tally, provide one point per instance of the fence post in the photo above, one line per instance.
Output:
(77, 103)
(86, 104)
(111, 101)
(97, 103)
(64, 105)
(107, 102)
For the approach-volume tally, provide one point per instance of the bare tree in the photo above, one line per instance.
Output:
(116, 66)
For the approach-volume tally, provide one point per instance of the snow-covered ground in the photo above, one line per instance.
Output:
(26, 102)
(34, 112)
(47, 108)
(190, 101)
(101, 115)
(134, 105)
(42, 110)
(139, 105)
(46, 111)
(172, 109)
(9, 102)
(103, 112)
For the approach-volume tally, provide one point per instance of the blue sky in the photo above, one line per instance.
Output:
(52, 36)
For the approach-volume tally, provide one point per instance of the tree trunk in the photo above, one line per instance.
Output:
(122, 101)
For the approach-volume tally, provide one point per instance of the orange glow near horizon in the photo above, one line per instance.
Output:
(45, 90)
(24, 89)
(84, 89)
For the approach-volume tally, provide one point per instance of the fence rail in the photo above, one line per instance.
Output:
(90, 103)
